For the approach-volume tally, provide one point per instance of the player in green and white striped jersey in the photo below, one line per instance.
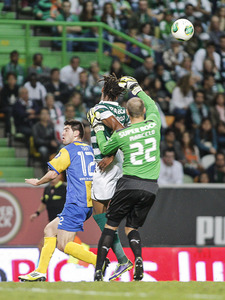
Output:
(114, 117)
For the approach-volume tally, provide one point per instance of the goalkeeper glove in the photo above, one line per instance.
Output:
(94, 119)
(131, 84)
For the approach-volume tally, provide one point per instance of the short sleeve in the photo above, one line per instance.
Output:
(60, 162)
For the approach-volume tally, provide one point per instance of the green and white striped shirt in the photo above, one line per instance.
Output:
(108, 109)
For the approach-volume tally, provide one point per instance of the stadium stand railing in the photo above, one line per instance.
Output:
(18, 34)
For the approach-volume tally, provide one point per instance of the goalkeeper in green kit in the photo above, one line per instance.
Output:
(136, 189)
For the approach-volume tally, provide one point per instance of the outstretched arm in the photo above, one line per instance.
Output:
(50, 175)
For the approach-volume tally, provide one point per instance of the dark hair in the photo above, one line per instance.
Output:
(36, 54)
(76, 125)
(83, 15)
(168, 149)
(14, 52)
(54, 70)
(111, 87)
(11, 74)
(44, 108)
(74, 57)
(199, 91)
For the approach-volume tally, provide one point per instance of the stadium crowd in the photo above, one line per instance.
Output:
(186, 79)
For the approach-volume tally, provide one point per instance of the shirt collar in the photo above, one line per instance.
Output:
(109, 102)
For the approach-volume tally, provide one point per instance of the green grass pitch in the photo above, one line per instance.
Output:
(112, 290)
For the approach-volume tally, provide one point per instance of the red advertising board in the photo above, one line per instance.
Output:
(160, 264)
(16, 205)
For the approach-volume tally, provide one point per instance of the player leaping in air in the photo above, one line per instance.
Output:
(136, 189)
(113, 117)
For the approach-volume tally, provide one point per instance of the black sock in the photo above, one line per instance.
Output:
(135, 243)
(104, 245)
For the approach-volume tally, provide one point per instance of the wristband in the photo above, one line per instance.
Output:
(37, 213)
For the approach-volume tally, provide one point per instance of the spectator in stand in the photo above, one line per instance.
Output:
(216, 171)
(15, 67)
(144, 14)
(197, 110)
(220, 132)
(203, 177)
(221, 15)
(76, 7)
(171, 170)
(56, 87)
(202, 9)
(9, 94)
(198, 39)
(93, 32)
(85, 89)
(37, 92)
(147, 37)
(189, 13)
(186, 68)
(177, 8)
(165, 77)
(88, 13)
(44, 137)
(179, 127)
(70, 73)
(222, 58)
(217, 111)
(182, 95)
(211, 89)
(123, 12)
(69, 114)
(55, 109)
(25, 113)
(160, 95)
(146, 69)
(109, 17)
(94, 75)
(116, 68)
(170, 141)
(134, 49)
(209, 68)
(214, 31)
(202, 54)
(165, 26)
(71, 31)
(205, 138)
(79, 106)
(192, 165)
(174, 55)
(43, 72)
(47, 10)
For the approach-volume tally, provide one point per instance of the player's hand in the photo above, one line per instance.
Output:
(105, 162)
(32, 181)
(130, 84)
(94, 119)
(33, 216)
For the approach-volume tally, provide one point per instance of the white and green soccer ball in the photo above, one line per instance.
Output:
(182, 29)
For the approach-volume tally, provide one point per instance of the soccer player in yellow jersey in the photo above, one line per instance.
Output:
(77, 159)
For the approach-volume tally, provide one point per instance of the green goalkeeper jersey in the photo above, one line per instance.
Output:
(107, 109)
(139, 143)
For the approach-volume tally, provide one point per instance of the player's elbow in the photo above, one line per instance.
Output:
(53, 174)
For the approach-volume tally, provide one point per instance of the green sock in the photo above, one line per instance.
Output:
(116, 247)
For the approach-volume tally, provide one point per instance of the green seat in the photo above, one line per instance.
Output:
(7, 152)
(12, 179)
(3, 142)
(12, 162)
(25, 172)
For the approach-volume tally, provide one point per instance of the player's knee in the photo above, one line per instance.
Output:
(61, 245)
(128, 230)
